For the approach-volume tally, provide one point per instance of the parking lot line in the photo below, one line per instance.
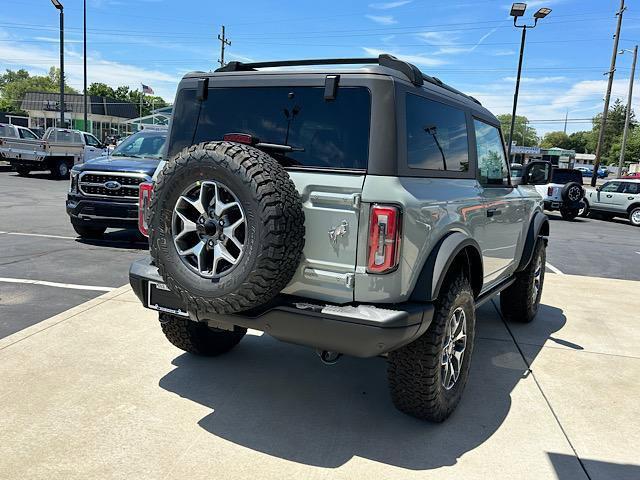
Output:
(39, 235)
(554, 269)
(72, 286)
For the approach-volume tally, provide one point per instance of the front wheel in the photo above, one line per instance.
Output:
(60, 169)
(634, 217)
(199, 338)
(520, 301)
(583, 211)
(23, 171)
(427, 377)
(569, 213)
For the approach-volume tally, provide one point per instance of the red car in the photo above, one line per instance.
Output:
(632, 175)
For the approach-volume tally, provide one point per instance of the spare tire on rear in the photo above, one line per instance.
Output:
(572, 192)
(226, 227)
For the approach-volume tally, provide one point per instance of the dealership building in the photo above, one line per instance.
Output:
(105, 116)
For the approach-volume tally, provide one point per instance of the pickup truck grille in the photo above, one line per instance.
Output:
(106, 184)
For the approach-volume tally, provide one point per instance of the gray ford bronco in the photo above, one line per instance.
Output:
(362, 211)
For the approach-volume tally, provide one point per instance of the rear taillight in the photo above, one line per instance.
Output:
(144, 201)
(384, 239)
(550, 191)
(239, 138)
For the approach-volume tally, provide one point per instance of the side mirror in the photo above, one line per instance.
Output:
(598, 188)
(536, 173)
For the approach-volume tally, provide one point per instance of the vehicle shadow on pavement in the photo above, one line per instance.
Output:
(280, 400)
(124, 239)
(41, 176)
(596, 469)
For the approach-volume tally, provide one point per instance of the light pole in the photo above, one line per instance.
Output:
(517, 10)
(60, 8)
(86, 123)
(628, 116)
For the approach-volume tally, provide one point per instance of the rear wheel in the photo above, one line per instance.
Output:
(634, 217)
(427, 377)
(198, 338)
(520, 302)
(23, 171)
(60, 169)
(87, 231)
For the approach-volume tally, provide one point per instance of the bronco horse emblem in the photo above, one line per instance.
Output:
(338, 231)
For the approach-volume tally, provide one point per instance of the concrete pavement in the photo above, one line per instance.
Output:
(97, 392)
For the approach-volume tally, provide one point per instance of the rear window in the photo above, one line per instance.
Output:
(65, 136)
(563, 176)
(323, 134)
(6, 131)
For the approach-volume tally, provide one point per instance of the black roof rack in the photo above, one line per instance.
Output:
(412, 72)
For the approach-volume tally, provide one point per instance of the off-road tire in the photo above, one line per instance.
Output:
(23, 171)
(274, 226)
(572, 192)
(60, 169)
(516, 302)
(87, 231)
(634, 213)
(414, 373)
(584, 212)
(569, 214)
(198, 338)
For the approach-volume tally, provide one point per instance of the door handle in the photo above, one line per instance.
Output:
(630, 198)
(493, 211)
(609, 196)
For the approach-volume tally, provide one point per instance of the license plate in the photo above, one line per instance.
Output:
(160, 298)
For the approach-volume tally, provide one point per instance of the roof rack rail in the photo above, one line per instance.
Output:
(409, 70)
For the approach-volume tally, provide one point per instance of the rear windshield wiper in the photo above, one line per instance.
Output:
(278, 146)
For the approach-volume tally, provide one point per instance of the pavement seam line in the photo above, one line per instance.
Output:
(546, 399)
(584, 350)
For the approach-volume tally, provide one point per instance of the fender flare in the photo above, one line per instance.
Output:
(538, 227)
(436, 267)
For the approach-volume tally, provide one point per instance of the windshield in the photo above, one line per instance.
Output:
(516, 171)
(307, 130)
(142, 145)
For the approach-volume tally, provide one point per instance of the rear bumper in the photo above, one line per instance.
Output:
(105, 213)
(553, 205)
(357, 330)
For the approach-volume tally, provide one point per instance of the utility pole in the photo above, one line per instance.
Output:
(627, 118)
(607, 98)
(223, 43)
(566, 117)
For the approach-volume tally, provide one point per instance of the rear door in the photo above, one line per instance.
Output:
(626, 195)
(324, 145)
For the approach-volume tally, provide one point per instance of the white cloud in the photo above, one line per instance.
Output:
(538, 80)
(437, 38)
(382, 19)
(38, 60)
(416, 59)
(449, 42)
(389, 5)
(503, 53)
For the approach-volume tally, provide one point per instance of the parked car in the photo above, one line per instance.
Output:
(9, 131)
(616, 198)
(564, 192)
(342, 210)
(58, 151)
(103, 192)
(632, 175)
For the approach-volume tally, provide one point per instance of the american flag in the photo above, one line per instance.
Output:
(147, 89)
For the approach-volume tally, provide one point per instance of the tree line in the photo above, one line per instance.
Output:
(15, 84)
(583, 141)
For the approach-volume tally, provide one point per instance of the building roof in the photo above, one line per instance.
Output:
(74, 103)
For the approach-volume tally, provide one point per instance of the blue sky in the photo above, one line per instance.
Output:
(471, 45)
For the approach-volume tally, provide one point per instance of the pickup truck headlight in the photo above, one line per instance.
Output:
(73, 186)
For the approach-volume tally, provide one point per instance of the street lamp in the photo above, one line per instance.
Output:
(628, 113)
(60, 8)
(517, 10)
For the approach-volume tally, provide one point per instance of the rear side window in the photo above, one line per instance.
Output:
(323, 134)
(27, 135)
(631, 188)
(7, 131)
(436, 136)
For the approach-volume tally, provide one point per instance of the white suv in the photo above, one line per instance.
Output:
(617, 198)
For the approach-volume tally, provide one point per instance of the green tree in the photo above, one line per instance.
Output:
(14, 84)
(583, 141)
(125, 94)
(101, 90)
(632, 150)
(523, 133)
(556, 139)
(613, 130)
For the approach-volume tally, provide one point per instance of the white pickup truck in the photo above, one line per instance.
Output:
(58, 151)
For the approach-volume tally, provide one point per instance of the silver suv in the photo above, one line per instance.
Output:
(363, 211)
(617, 198)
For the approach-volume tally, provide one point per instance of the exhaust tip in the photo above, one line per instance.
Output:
(328, 357)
